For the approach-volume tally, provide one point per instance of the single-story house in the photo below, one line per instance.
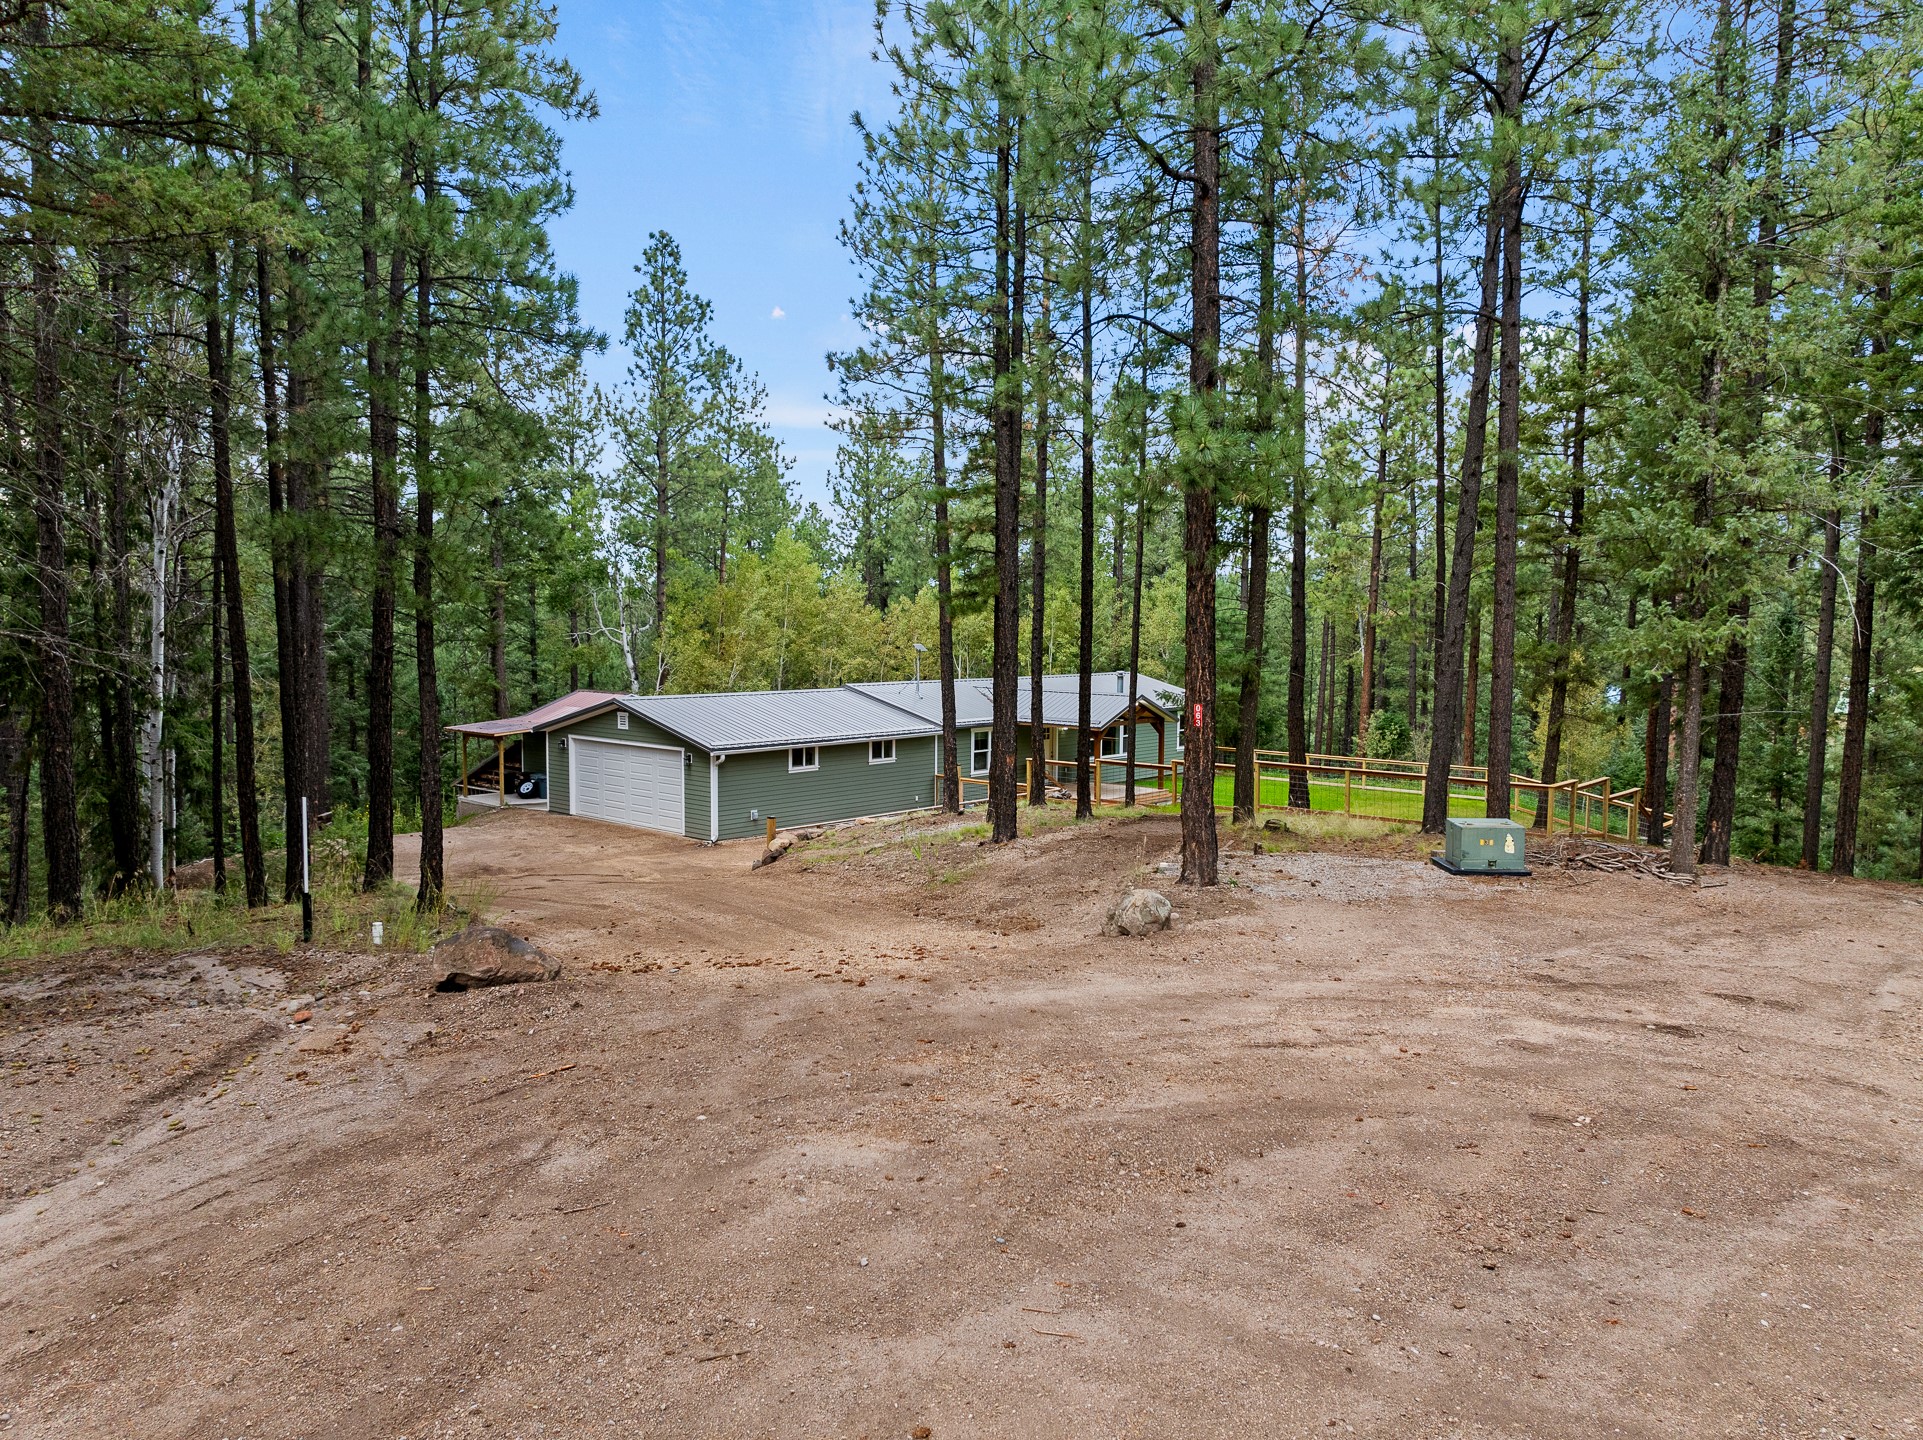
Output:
(719, 766)
(1154, 737)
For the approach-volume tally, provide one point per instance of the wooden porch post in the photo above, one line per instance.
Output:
(463, 790)
(500, 770)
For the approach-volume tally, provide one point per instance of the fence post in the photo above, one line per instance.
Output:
(1606, 831)
(1348, 791)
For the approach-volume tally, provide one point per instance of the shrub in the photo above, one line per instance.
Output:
(1387, 737)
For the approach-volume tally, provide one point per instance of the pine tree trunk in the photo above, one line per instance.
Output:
(286, 652)
(306, 480)
(1135, 635)
(1007, 423)
(117, 698)
(944, 549)
(59, 796)
(16, 753)
(1565, 637)
(1472, 688)
(1085, 640)
(433, 882)
(497, 607)
(1038, 560)
(1689, 750)
(1247, 796)
(1502, 618)
(217, 724)
(1816, 772)
(1438, 342)
(1374, 601)
(1856, 721)
(1655, 788)
(1448, 712)
(253, 863)
(1297, 700)
(380, 307)
(1720, 814)
(1199, 858)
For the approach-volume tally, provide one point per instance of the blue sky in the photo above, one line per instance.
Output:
(726, 124)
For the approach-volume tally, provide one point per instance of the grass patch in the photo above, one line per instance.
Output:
(172, 921)
(1378, 799)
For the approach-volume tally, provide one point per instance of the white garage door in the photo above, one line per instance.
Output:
(629, 784)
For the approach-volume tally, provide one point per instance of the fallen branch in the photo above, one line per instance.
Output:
(1579, 853)
(558, 1069)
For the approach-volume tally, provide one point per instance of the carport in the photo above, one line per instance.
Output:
(511, 738)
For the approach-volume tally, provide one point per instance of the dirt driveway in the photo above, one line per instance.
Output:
(887, 1140)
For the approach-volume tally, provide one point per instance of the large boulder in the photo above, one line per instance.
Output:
(487, 955)
(1140, 912)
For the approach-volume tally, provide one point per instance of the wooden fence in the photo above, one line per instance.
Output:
(1355, 785)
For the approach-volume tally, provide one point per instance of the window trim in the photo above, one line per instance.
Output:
(1120, 731)
(620, 719)
(982, 742)
(813, 762)
(887, 759)
(1178, 734)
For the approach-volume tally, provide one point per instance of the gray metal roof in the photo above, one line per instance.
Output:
(775, 719)
(973, 705)
(974, 699)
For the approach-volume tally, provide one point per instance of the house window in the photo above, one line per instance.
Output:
(1114, 743)
(621, 720)
(803, 757)
(881, 752)
(978, 753)
(1178, 734)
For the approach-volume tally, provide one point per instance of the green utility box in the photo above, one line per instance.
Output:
(1482, 847)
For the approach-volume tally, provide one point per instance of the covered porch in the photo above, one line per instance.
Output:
(498, 758)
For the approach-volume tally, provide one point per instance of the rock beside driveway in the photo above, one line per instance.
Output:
(1140, 912)
(782, 844)
(484, 955)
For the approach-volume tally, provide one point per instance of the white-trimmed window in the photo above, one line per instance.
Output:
(978, 752)
(1178, 734)
(804, 757)
(881, 752)
(620, 719)
(1115, 742)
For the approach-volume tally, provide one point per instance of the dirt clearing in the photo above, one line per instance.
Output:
(887, 1140)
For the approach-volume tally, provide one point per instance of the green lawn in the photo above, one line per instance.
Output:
(1379, 799)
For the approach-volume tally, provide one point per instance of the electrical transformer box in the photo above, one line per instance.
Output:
(1483, 847)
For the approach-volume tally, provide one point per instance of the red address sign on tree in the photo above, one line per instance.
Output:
(1198, 714)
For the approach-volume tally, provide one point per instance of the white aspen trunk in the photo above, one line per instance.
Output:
(153, 724)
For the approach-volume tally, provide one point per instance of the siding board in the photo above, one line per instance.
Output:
(844, 787)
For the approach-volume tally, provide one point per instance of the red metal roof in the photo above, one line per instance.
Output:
(537, 719)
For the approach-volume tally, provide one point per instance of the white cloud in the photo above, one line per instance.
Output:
(778, 314)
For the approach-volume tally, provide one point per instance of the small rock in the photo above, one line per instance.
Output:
(487, 955)
(1139, 912)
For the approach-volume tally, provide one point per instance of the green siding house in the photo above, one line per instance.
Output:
(721, 766)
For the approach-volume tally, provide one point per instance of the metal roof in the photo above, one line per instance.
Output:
(537, 719)
(776, 719)
(973, 705)
(974, 699)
